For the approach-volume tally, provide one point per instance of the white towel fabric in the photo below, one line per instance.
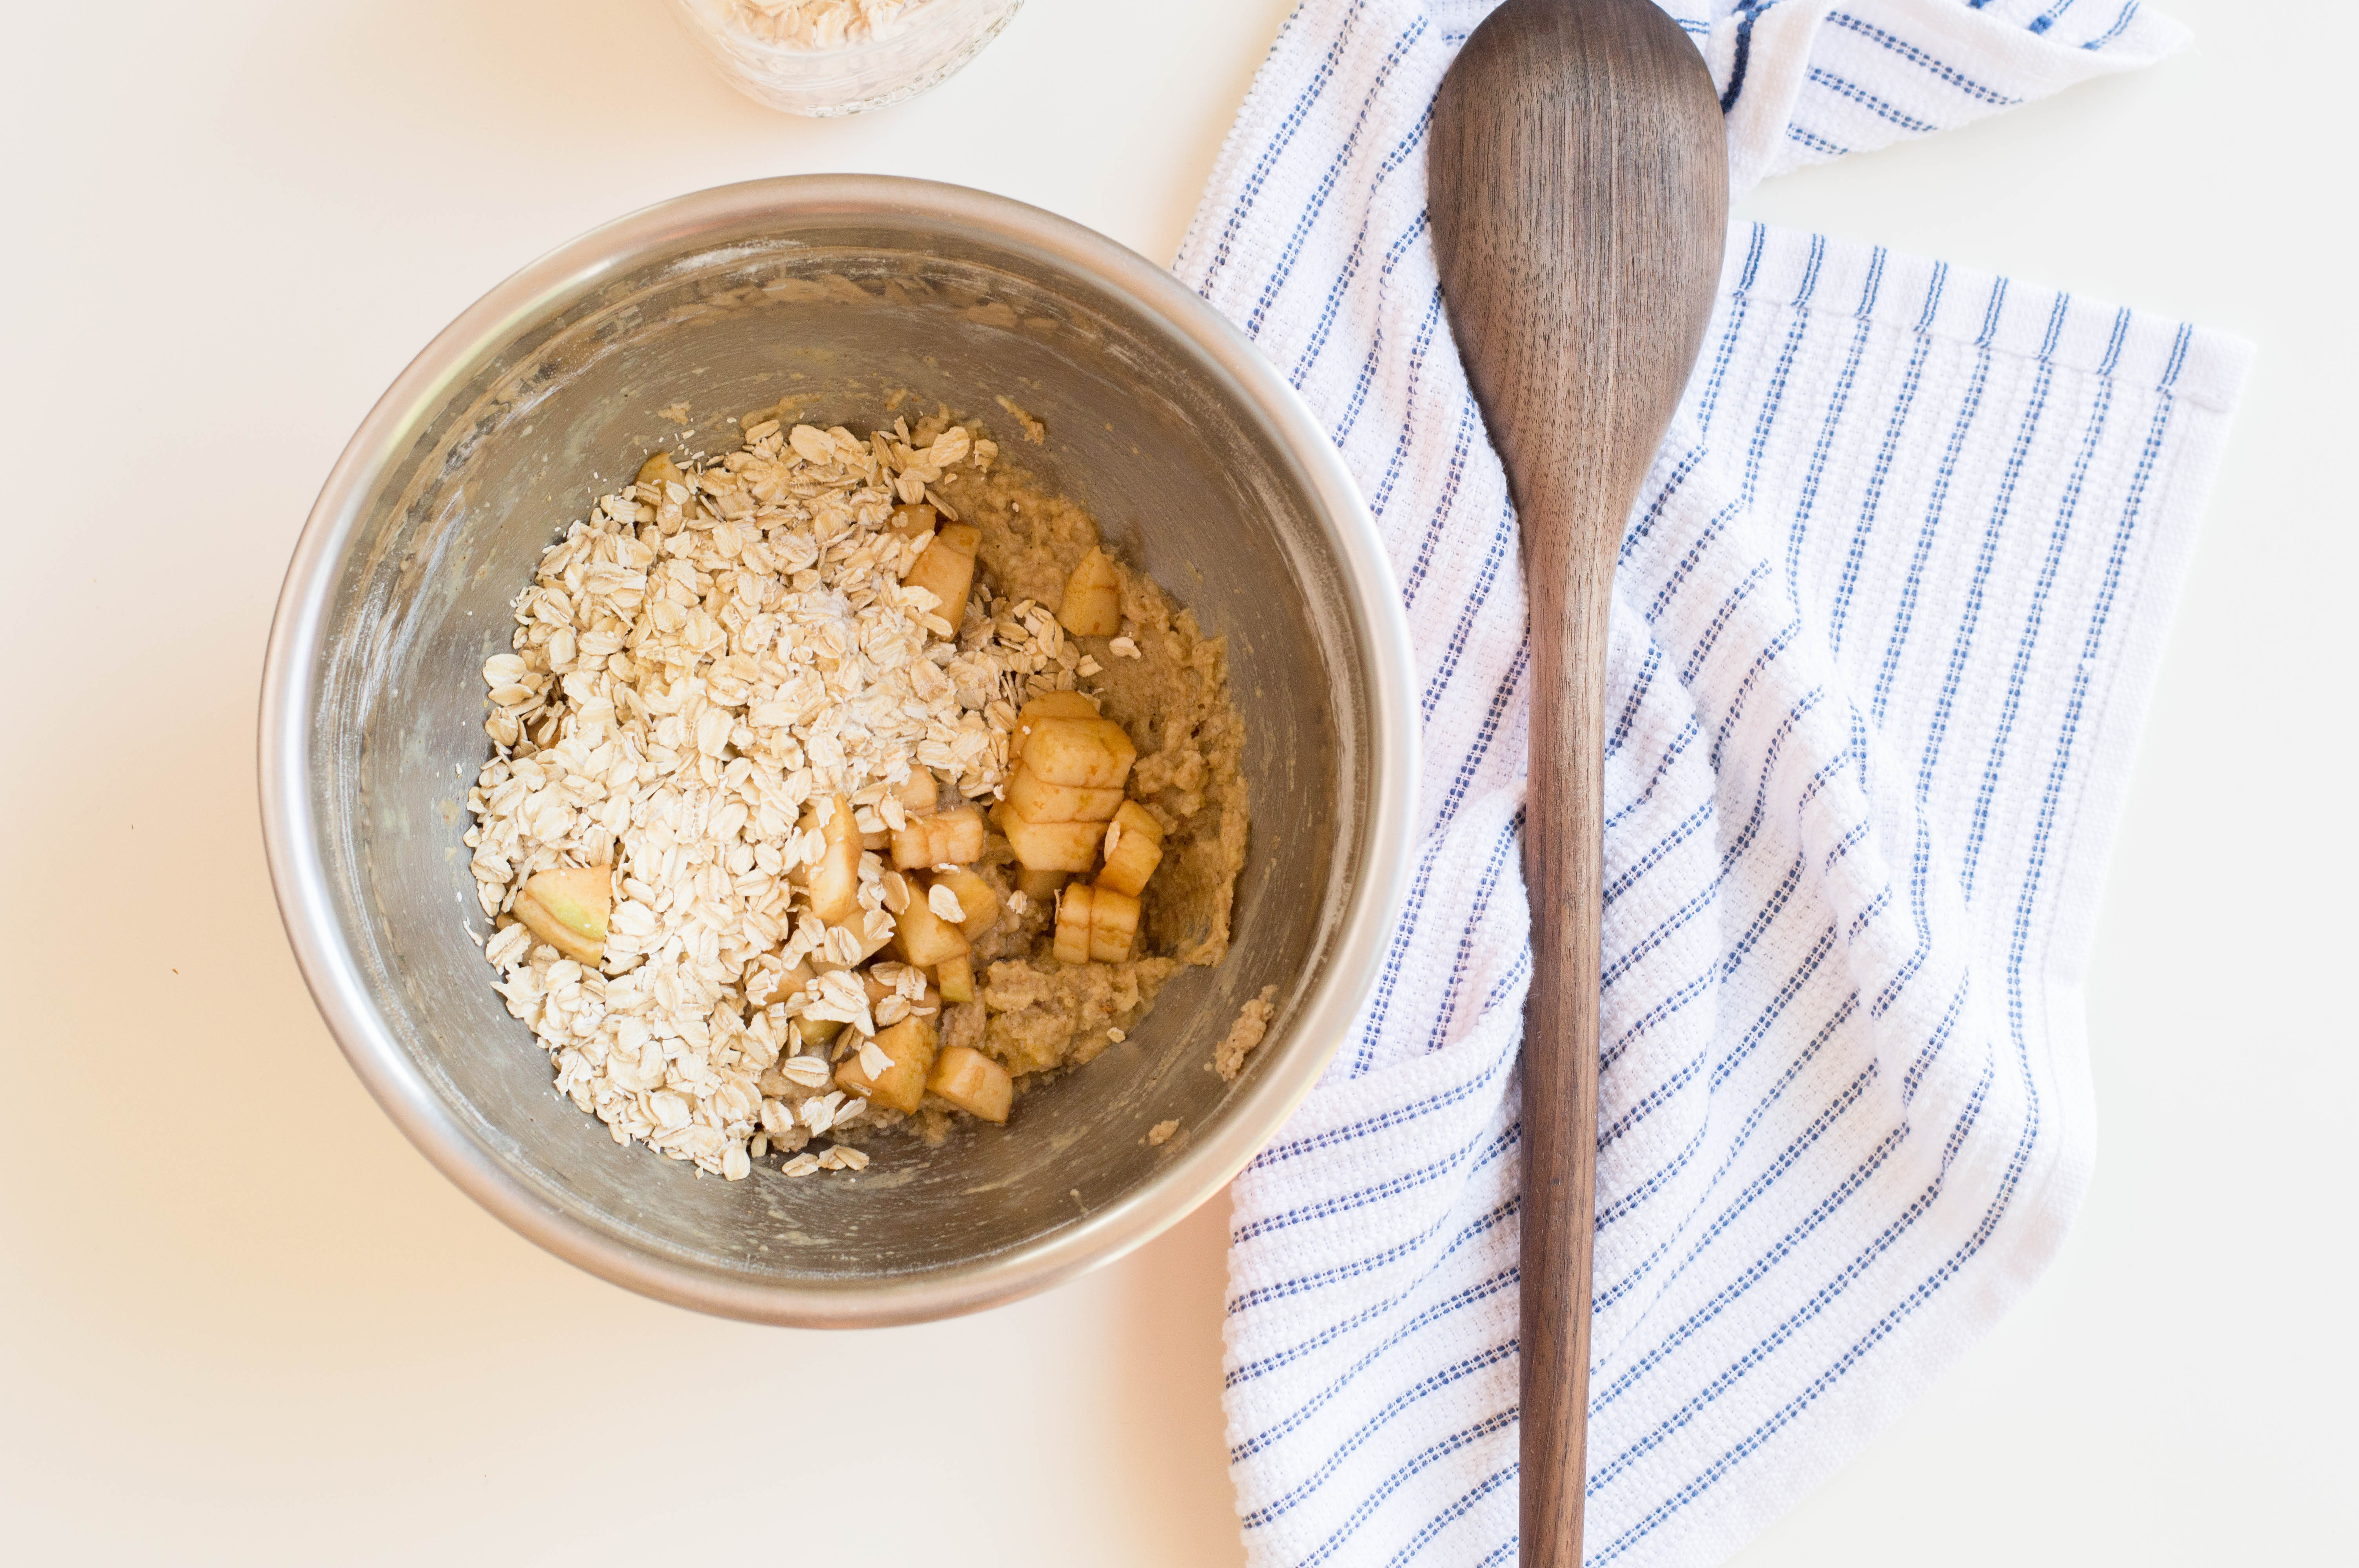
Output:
(1884, 630)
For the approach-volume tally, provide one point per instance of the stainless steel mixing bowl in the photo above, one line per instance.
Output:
(1198, 461)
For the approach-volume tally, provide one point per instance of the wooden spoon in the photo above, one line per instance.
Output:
(1578, 184)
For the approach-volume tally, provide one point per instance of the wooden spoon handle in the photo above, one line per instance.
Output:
(1570, 591)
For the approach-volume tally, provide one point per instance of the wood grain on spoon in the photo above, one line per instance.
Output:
(1577, 186)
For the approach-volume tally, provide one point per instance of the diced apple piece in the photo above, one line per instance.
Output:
(976, 897)
(878, 990)
(1073, 924)
(925, 938)
(1137, 819)
(1053, 704)
(957, 836)
(794, 982)
(1053, 845)
(833, 882)
(908, 1047)
(1137, 840)
(865, 944)
(946, 838)
(566, 908)
(659, 470)
(1041, 887)
(956, 979)
(946, 568)
(1093, 754)
(1092, 606)
(1114, 924)
(908, 522)
(1048, 705)
(974, 1083)
(919, 793)
(1034, 801)
(767, 984)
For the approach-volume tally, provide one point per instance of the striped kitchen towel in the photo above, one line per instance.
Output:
(1884, 627)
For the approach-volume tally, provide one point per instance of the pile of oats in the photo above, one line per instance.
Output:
(714, 647)
(815, 24)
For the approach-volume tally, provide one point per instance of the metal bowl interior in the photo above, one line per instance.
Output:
(838, 292)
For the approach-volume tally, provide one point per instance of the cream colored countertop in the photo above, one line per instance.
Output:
(243, 1322)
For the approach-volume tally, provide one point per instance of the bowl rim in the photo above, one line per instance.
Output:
(290, 698)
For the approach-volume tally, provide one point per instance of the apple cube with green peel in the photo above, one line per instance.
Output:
(566, 908)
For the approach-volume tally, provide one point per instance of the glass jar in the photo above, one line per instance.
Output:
(839, 57)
